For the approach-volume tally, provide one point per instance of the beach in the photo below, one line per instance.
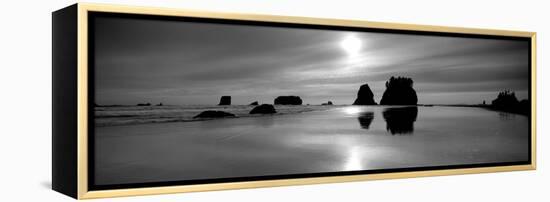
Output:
(305, 139)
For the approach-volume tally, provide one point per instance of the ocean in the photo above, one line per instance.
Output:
(156, 144)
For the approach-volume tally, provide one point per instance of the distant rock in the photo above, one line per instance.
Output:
(364, 96)
(508, 102)
(288, 100)
(254, 103)
(263, 109)
(524, 106)
(214, 114)
(327, 103)
(399, 91)
(505, 99)
(225, 100)
(159, 104)
(143, 104)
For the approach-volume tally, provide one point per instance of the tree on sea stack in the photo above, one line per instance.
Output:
(399, 91)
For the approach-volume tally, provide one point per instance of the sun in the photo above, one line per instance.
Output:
(351, 44)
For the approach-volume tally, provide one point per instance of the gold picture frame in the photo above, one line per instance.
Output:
(77, 186)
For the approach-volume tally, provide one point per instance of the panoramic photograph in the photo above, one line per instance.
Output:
(183, 100)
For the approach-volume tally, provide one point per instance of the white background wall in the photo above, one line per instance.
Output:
(25, 104)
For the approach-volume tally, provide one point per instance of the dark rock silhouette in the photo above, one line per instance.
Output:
(365, 119)
(524, 106)
(327, 103)
(225, 100)
(400, 120)
(254, 103)
(214, 114)
(263, 109)
(159, 104)
(506, 101)
(144, 104)
(399, 91)
(288, 100)
(364, 96)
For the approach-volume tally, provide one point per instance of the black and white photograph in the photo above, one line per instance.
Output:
(189, 99)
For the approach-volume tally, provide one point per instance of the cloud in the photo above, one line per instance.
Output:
(193, 63)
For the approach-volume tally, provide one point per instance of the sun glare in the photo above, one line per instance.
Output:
(352, 110)
(351, 44)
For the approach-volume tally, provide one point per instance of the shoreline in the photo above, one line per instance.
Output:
(246, 115)
(140, 119)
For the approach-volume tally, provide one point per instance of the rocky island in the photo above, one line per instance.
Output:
(288, 100)
(364, 96)
(399, 91)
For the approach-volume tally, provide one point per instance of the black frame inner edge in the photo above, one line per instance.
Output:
(91, 97)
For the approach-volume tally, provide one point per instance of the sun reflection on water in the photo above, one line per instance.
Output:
(352, 110)
(353, 161)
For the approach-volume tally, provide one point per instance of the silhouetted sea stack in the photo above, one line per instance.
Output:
(364, 96)
(263, 109)
(505, 99)
(144, 104)
(214, 114)
(254, 103)
(288, 100)
(327, 103)
(508, 102)
(225, 100)
(399, 91)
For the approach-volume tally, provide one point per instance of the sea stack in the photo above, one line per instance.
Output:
(508, 102)
(225, 100)
(254, 103)
(399, 91)
(288, 100)
(364, 96)
(263, 109)
(214, 114)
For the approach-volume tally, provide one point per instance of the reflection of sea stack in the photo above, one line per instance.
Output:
(400, 120)
(364, 96)
(365, 119)
(399, 91)
(288, 100)
(263, 109)
(225, 100)
(254, 103)
(214, 114)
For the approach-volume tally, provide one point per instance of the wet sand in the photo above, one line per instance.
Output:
(340, 139)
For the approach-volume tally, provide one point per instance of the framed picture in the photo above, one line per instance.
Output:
(151, 100)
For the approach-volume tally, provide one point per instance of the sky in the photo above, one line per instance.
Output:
(187, 63)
